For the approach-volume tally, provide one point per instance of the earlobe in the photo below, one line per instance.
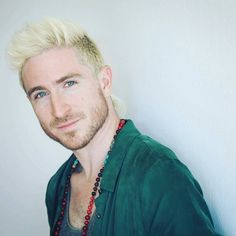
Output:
(106, 80)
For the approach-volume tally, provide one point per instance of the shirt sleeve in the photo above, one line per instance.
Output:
(173, 203)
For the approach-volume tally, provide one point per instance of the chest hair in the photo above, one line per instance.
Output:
(81, 189)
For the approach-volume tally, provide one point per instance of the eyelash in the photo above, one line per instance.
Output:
(67, 85)
(37, 95)
(70, 81)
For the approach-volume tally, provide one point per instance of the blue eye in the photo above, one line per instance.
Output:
(70, 83)
(40, 95)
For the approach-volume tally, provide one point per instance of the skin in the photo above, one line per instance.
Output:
(74, 107)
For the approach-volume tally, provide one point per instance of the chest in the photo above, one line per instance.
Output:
(79, 201)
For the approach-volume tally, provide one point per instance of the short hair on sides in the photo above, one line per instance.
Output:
(50, 33)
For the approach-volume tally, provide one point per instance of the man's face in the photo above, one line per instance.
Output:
(66, 97)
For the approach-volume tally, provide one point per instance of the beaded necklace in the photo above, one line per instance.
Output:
(93, 194)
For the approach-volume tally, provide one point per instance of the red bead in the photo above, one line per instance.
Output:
(89, 211)
(86, 222)
(87, 217)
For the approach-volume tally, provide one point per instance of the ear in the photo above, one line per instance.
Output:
(105, 80)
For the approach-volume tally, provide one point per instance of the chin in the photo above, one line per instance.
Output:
(73, 146)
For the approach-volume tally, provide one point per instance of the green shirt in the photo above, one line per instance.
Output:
(146, 190)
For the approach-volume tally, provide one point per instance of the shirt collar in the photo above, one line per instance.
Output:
(122, 143)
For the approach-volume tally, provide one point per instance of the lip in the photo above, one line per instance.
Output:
(67, 125)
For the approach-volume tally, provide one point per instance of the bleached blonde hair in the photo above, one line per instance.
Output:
(36, 38)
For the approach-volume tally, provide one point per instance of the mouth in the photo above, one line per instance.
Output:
(67, 125)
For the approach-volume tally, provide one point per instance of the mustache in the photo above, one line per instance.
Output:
(61, 120)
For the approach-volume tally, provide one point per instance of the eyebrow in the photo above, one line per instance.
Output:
(69, 76)
(34, 89)
(59, 81)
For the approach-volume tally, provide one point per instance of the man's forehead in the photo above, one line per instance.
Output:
(53, 57)
(52, 65)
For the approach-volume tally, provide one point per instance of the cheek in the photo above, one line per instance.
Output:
(41, 105)
(75, 99)
(42, 113)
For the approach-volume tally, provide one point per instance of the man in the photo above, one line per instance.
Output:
(117, 181)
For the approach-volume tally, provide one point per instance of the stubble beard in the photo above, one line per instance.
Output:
(71, 140)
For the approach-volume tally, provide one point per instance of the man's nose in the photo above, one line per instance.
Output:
(59, 106)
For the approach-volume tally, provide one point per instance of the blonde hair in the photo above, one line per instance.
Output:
(35, 38)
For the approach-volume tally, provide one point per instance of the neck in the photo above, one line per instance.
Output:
(92, 156)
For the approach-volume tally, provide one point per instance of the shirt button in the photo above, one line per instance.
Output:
(98, 215)
(100, 191)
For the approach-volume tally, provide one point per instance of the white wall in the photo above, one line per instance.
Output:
(174, 65)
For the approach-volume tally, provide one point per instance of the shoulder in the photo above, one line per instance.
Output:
(168, 193)
(147, 153)
(159, 172)
(156, 164)
(157, 169)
